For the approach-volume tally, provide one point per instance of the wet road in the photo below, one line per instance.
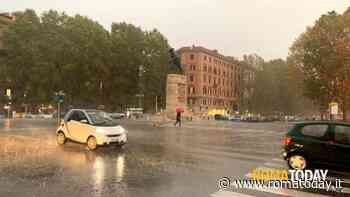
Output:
(159, 162)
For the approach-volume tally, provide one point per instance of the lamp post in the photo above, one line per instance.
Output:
(25, 103)
(8, 94)
(140, 95)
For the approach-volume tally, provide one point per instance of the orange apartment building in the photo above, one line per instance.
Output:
(211, 79)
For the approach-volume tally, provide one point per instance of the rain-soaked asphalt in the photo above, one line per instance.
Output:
(157, 161)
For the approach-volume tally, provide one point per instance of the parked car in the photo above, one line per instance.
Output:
(117, 115)
(28, 115)
(62, 113)
(46, 116)
(235, 118)
(91, 127)
(317, 143)
(220, 117)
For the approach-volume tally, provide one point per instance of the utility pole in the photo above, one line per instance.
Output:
(156, 104)
(9, 94)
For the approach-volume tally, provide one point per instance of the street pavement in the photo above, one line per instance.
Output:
(162, 161)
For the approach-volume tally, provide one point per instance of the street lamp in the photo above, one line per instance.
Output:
(141, 85)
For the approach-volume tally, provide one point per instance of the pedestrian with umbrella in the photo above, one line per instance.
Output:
(178, 110)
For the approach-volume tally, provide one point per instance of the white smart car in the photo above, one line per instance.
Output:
(92, 127)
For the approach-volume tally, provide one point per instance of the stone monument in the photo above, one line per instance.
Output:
(176, 91)
(176, 94)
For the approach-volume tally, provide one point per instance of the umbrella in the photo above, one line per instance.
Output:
(179, 109)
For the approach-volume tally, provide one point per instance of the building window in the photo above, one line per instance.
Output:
(205, 58)
(209, 79)
(215, 71)
(204, 78)
(210, 69)
(193, 67)
(205, 68)
(192, 56)
(209, 59)
(204, 90)
(191, 90)
(191, 78)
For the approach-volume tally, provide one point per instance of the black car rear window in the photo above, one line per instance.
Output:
(342, 134)
(314, 130)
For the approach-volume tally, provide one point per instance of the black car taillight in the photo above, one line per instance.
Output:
(287, 140)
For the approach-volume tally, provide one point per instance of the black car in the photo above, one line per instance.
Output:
(220, 117)
(317, 143)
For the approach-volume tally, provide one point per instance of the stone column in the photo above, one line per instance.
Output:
(176, 94)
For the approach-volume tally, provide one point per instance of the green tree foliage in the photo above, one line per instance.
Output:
(276, 90)
(90, 64)
(321, 54)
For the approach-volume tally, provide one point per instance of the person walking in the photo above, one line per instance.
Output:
(178, 119)
(179, 110)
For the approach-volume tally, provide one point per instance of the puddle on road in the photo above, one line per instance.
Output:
(35, 163)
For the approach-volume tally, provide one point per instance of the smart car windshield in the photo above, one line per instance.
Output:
(98, 117)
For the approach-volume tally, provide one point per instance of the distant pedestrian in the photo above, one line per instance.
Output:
(179, 110)
(178, 119)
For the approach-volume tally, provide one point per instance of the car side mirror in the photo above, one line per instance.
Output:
(84, 121)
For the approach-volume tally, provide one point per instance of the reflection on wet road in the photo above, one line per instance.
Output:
(158, 162)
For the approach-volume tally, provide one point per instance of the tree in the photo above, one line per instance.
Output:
(276, 90)
(319, 55)
(79, 56)
(21, 44)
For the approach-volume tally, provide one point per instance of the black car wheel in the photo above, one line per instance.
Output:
(297, 162)
(92, 143)
(61, 138)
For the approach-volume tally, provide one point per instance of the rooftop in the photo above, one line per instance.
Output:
(214, 53)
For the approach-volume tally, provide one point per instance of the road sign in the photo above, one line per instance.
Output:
(59, 97)
(334, 108)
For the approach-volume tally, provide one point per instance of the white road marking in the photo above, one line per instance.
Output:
(282, 192)
(229, 194)
(278, 159)
(288, 192)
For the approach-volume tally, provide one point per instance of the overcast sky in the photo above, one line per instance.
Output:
(233, 27)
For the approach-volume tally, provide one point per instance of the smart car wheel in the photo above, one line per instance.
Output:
(61, 138)
(297, 162)
(120, 146)
(92, 143)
